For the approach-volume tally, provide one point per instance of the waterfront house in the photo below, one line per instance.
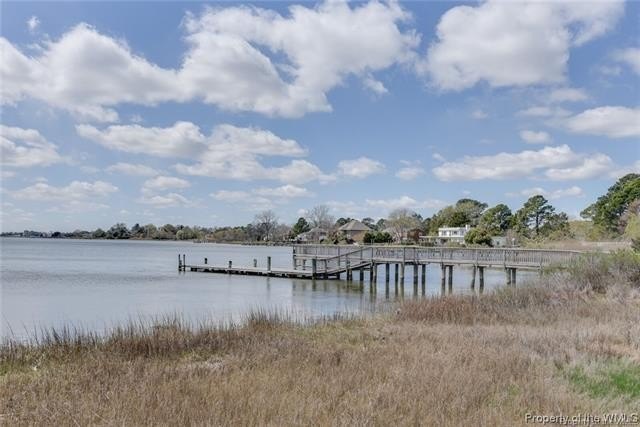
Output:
(354, 230)
(448, 235)
(314, 235)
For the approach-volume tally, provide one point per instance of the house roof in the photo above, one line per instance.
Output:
(354, 225)
(317, 230)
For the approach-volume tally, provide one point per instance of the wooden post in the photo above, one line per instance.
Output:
(396, 275)
(255, 263)
(348, 265)
(386, 273)
(481, 274)
(473, 277)
(443, 277)
(179, 263)
(374, 272)
(513, 276)
(269, 264)
(360, 274)
(424, 278)
(205, 261)
(402, 274)
(373, 286)
(314, 267)
(415, 274)
(293, 259)
(508, 273)
(450, 279)
(229, 264)
(184, 262)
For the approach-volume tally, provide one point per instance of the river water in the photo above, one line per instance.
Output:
(94, 284)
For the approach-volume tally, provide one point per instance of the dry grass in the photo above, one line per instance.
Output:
(457, 360)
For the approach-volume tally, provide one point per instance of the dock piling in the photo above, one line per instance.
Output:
(269, 264)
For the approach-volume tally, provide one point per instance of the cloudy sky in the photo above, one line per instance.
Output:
(206, 114)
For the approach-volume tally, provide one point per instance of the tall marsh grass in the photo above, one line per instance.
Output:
(452, 360)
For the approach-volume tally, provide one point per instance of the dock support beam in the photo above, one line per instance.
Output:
(415, 279)
(443, 278)
(450, 279)
(397, 268)
(481, 277)
(508, 274)
(513, 276)
(424, 278)
(374, 277)
(348, 265)
(314, 268)
(473, 277)
(386, 273)
(179, 263)
(268, 264)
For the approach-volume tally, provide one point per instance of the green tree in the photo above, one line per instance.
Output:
(301, 226)
(118, 231)
(471, 209)
(609, 208)
(369, 222)
(149, 231)
(137, 231)
(556, 226)
(478, 236)
(342, 221)
(533, 215)
(496, 220)
(99, 233)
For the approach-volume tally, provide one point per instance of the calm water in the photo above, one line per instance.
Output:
(96, 283)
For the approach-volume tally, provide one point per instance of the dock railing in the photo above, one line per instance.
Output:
(333, 256)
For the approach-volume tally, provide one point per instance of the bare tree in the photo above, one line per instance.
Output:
(319, 216)
(266, 222)
(401, 221)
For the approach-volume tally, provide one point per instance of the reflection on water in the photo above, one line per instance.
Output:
(94, 284)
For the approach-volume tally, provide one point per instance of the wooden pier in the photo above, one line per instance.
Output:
(335, 261)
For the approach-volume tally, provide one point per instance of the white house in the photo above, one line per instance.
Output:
(453, 234)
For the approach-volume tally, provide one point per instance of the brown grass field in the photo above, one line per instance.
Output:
(568, 344)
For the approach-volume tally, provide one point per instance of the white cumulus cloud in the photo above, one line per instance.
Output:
(533, 137)
(561, 193)
(132, 169)
(361, 167)
(609, 121)
(238, 58)
(76, 190)
(513, 43)
(629, 56)
(556, 163)
(25, 148)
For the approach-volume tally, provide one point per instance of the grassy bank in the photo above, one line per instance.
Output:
(568, 344)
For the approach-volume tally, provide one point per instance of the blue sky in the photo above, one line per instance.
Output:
(206, 114)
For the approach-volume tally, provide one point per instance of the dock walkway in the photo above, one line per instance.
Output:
(333, 261)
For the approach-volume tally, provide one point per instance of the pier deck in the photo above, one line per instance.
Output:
(331, 261)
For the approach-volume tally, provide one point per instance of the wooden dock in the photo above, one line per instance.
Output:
(334, 261)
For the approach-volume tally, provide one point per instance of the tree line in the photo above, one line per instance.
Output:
(614, 214)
